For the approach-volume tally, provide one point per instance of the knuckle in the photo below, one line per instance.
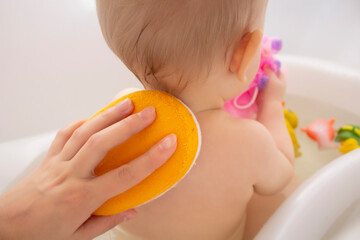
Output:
(78, 134)
(126, 173)
(108, 114)
(63, 133)
(95, 141)
(132, 124)
(133, 119)
(68, 131)
(153, 159)
(65, 173)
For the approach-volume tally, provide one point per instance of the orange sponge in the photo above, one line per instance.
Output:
(172, 117)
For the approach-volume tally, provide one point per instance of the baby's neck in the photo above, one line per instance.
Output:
(201, 99)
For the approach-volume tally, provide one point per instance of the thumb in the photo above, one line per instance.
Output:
(97, 225)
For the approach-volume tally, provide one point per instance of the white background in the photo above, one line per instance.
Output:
(55, 66)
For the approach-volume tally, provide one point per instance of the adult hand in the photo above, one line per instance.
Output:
(57, 199)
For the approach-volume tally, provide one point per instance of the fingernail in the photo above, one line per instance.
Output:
(125, 104)
(168, 142)
(147, 113)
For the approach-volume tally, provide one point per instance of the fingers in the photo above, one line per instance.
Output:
(123, 178)
(271, 74)
(282, 76)
(97, 225)
(102, 142)
(101, 121)
(63, 136)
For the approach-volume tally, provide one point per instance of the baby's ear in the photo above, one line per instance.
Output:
(244, 52)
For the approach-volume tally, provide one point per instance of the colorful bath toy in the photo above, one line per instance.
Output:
(291, 121)
(291, 117)
(348, 131)
(349, 145)
(349, 136)
(172, 116)
(323, 132)
(244, 105)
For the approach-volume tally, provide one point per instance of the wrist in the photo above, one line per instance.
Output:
(270, 112)
(11, 220)
(270, 103)
(4, 228)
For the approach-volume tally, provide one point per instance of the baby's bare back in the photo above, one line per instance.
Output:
(210, 202)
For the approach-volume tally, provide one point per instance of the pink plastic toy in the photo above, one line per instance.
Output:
(244, 105)
(323, 132)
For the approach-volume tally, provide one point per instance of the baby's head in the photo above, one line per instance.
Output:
(171, 44)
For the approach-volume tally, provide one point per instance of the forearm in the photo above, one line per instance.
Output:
(4, 221)
(271, 115)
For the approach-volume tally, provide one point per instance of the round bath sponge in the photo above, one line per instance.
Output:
(172, 116)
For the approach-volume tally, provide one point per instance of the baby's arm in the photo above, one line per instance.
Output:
(270, 170)
(268, 146)
(271, 114)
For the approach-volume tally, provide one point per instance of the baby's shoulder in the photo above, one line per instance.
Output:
(222, 123)
(232, 133)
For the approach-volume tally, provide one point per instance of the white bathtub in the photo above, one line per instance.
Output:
(53, 44)
(327, 203)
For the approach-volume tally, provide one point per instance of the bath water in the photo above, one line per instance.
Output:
(308, 110)
(313, 159)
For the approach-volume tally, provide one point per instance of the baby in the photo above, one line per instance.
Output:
(205, 52)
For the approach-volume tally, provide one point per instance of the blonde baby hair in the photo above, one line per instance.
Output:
(160, 40)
